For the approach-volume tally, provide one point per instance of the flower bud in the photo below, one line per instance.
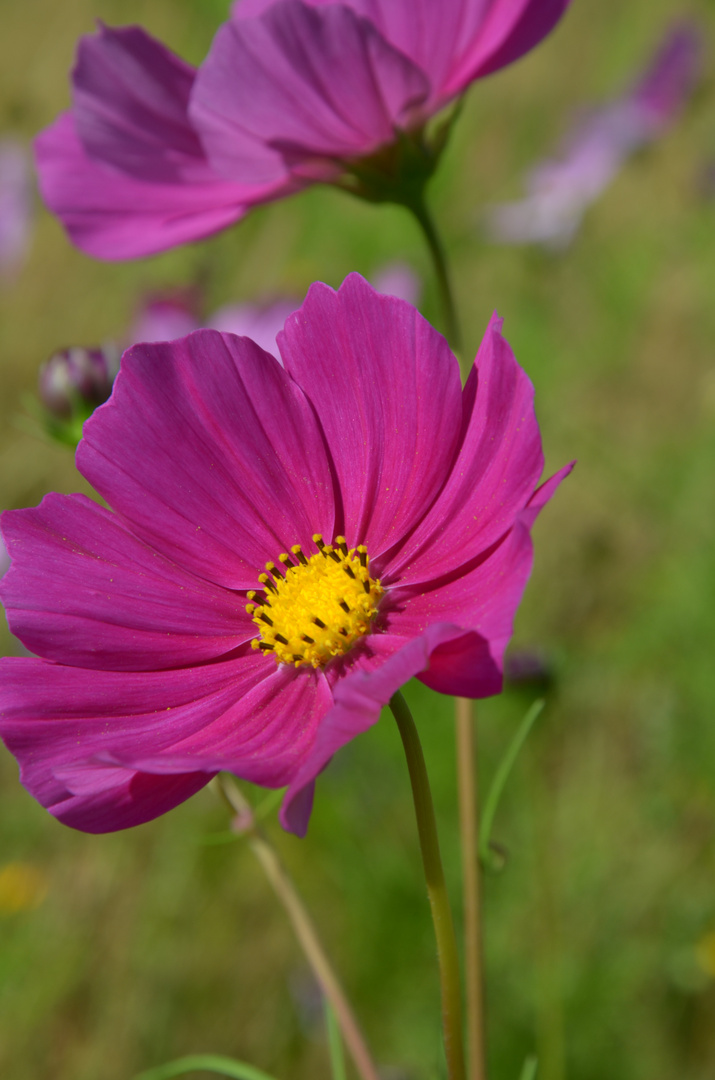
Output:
(77, 379)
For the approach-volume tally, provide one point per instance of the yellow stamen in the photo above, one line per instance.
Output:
(321, 608)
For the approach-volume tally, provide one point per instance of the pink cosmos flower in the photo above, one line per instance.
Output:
(559, 191)
(289, 544)
(155, 153)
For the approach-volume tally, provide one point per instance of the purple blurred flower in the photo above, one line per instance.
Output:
(226, 470)
(167, 316)
(4, 557)
(398, 279)
(77, 379)
(16, 212)
(155, 153)
(560, 190)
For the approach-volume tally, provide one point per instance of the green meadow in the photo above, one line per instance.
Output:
(120, 952)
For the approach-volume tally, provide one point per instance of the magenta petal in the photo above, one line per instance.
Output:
(102, 798)
(131, 99)
(451, 41)
(483, 601)
(212, 454)
(298, 83)
(465, 667)
(264, 737)
(127, 173)
(493, 476)
(386, 389)
(359, 699)
(508, 30)
(62, 722)
(543, 493)
(112, 215)
(84, 591)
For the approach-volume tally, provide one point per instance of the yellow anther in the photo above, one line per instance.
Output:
(321, 608)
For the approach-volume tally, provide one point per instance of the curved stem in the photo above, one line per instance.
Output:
(304, 929)
(441, 269)
(469, 833)
(436, 890)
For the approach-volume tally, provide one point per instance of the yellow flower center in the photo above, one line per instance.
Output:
(316, 608)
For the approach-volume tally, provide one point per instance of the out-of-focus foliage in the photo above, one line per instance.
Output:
(156, 943)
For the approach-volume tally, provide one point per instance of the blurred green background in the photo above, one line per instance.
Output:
(119, 952)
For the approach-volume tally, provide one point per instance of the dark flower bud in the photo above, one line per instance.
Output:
(528, 669)
(75, 380)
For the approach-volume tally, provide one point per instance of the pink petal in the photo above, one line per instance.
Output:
(125, 171)
(212, 455)
(264, 737)
(494, 473)
(299, 84)
(111, 215)
(454, 41)
(101, 798)
(483, 601)
(84, 591)
(496, 33)
(359, 699)
(131, 100)
(61, 722)
(386, 389)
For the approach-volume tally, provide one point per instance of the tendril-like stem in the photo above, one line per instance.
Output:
(469, 833)
(436, 890)
(304, 929)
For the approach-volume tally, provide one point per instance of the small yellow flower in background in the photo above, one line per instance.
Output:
(23, 887)
(705, 953)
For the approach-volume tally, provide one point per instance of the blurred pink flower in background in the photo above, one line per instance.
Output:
(4, 557)
(560, 190)
(375, 515)
(170, 315)
(16, 209)
(155, 153)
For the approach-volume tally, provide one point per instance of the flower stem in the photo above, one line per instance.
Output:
(436, 890)
(304, 930)
(418, 208)
(469, 833)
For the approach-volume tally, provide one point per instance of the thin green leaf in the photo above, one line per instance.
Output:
(531, 1066)
(211, 1063)
(487, 855)
(335, 1044)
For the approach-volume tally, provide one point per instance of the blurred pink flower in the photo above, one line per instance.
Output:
(560, 190)
(4, 557)
(375, 515)
(16, 212)
(167, 316)
(155, 153)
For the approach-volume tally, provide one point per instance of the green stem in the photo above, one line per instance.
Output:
(436, 890)
(335, 1043)
(467, 786)
(418, 208)
(303, 928)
